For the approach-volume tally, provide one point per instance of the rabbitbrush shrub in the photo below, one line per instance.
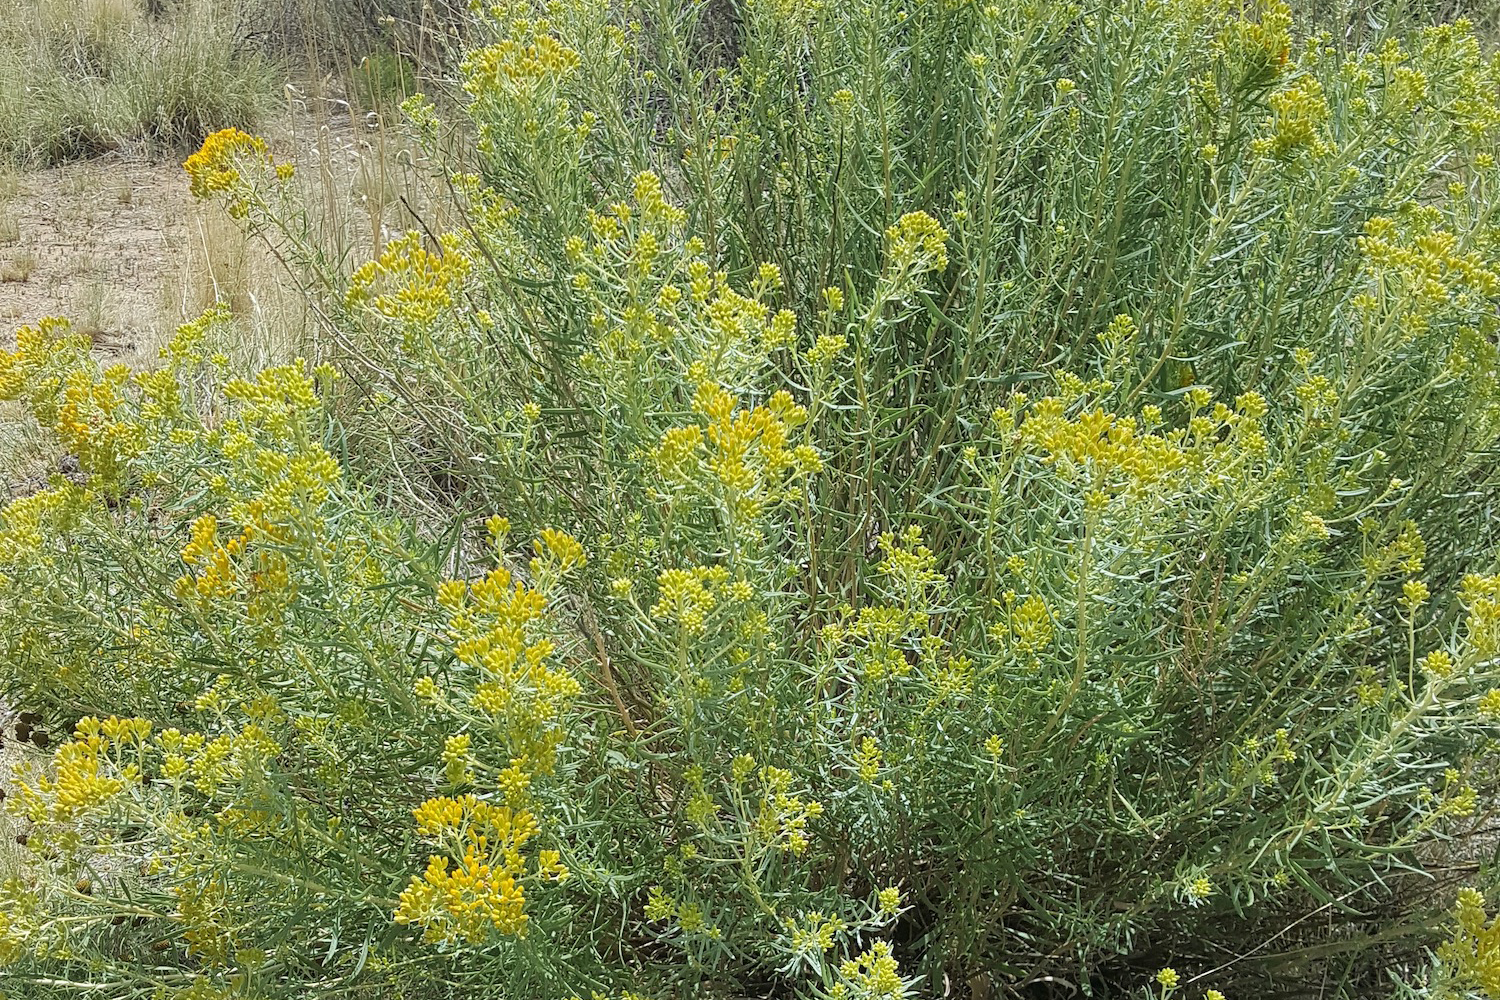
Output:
(859, 500)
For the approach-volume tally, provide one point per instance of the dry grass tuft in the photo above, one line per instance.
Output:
(82, 79)
(18, 268)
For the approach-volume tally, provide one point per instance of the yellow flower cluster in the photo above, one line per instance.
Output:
(1481, 599)
(86, 422)
(210, 764)
(200, 910)
(659, 310)
(276, 399)
(221, 570)
(559, 549)
(276, 481)
(123, 428)
(690, 916)
(700, 809)
(790, 15)
(872, 975)
(1257, 50)
(1118, 454)
(909, 566)
(1459, 798)
(1261, 761)
(736, 321)
(27, 523)
(1473, 953)
(52, 372)
(876, 638)
(468, 819)
(13, 938)
(1299, 116)
(410, 284)
(476, 888)
(868, 760)
(916, 243)
(213, 573)
(781, 817)
(549, 866)
(1109, 447)
(31, 372)
(464, 902)
(1026, 627)
(285, 474)
(101, 761)
(215, 168)
(748, 452)
(1411, 259)
(492, 626)
(518, 67)
(815, 933)
(458, 762)
(826, 350)
(686, 596)
(1118, 338)
(655, 210)
(659, 905)
(1475, 108)
(1438, 664)
(1408, 86)
(184, 350)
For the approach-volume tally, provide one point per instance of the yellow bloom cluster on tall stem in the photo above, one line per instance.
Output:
(1472, 955)
(219, 168)
(747, 454)
(474, 889)
(410, 284)
(102, 760)
(516, 706)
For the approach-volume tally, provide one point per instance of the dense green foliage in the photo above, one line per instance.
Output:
(860, 500)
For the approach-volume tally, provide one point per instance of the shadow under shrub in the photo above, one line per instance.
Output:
(970, 499)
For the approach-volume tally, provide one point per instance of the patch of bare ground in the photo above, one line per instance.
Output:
(99, 242)
(122, 250)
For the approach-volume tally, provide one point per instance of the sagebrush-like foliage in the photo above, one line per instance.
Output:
(959, 494)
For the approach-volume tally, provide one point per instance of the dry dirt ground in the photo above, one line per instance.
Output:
(101, 243)
(121, 248)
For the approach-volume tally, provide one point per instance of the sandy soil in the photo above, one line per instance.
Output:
(100, 242)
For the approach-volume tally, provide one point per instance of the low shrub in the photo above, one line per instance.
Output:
(949, 499)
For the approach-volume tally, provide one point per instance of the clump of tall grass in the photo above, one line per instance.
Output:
(326, 34)
(81, 79)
